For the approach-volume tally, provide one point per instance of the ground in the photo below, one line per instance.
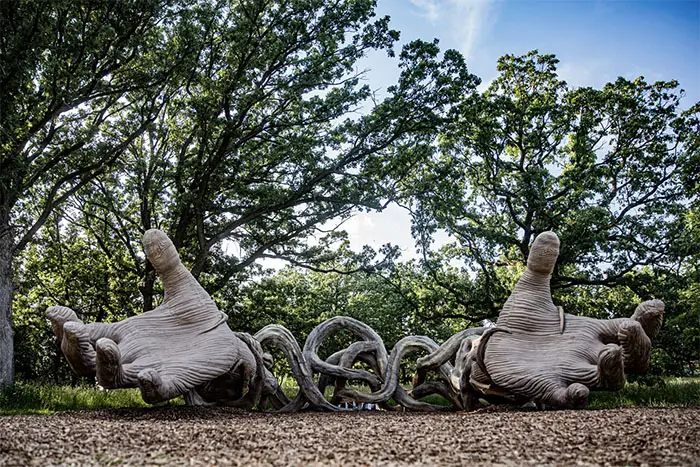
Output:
(197, 436)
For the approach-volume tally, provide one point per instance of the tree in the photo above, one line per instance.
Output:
(600, 167)
(260, 148)
(261, 133)
(79, 81)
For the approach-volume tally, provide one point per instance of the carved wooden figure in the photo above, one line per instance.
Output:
(539, 353)
(182, 345)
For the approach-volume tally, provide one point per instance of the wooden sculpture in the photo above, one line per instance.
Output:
(536, 352)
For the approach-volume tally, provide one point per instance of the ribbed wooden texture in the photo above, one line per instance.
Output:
(183, 343)
(536, 360)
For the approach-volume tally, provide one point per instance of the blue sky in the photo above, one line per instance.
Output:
(595, 40)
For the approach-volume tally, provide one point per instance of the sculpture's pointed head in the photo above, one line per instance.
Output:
(544, 253)
(159, 250)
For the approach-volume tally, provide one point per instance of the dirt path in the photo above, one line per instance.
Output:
(191, 436)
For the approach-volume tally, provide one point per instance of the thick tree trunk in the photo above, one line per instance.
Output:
(7, 372)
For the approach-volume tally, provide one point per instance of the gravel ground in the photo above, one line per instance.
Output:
(197, 436)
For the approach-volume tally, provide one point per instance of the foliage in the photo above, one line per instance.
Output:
(302, 300)
(390, 299)
(259, 147)
(672, 392)
(236, 121)
(602, 168)
(79, 82)
(609, 170)
(61, 266)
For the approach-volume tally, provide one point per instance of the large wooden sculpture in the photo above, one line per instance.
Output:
(182, 345)
(536, 352)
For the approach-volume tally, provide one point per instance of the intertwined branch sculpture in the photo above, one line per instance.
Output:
(184, 347)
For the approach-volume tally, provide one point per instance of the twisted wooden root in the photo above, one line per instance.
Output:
(383, 377)
(535, 353)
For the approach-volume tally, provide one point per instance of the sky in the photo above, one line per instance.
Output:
(595, 40)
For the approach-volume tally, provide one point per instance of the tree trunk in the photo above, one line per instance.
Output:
(7, 369)
(149, 280)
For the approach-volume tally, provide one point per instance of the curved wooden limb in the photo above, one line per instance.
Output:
(611, 368)
(391, 388)
(155, 387)
(461, 374)
(111, 374)
(650, 314)
(636, 347)
(279, 336)
(573, 396)
(358, 351)
(409, 403)
(58, 316)
(319, 334)
(276, 397)
(325, 380)
(437, 387)
(447, 349)
(77, 349)
(459, 377)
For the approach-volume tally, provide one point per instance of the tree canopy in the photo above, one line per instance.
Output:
(79, 82)
(238, 121)
(601, 167)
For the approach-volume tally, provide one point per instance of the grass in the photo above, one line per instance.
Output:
(32, 398)
(675, 392)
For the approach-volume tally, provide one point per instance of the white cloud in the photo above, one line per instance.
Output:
(580, 74)
(485, 84)
(393, 225)
(465, 20)
(596, 73)
(471, 20)
(428, 9)
(361, 229)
